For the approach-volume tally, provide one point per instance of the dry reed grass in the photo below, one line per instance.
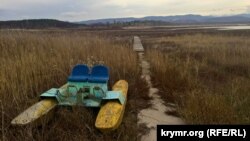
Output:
(206, 75)
(33, 62)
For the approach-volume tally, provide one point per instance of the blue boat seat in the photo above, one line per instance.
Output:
(80, 73)
(99, 74)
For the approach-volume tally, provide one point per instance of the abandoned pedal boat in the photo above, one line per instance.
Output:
(85, 87)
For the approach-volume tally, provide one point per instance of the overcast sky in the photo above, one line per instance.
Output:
(78, 10)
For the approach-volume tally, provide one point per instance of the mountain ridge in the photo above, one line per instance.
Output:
(149, 20)
(189, 18)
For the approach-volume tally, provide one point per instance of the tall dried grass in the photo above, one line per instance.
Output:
(33, 62)
(207, 75)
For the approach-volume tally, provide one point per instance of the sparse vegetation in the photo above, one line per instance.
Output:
(206, 75)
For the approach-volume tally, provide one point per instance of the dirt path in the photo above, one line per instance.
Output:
(156, 114)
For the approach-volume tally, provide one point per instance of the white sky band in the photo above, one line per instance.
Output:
(78, 10)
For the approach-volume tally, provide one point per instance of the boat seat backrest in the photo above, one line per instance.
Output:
(80, 73)
(99, 74)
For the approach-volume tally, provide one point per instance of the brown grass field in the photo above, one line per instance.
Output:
(206, 73)
(33, 62)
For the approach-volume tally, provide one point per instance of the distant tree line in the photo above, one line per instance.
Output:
(50, 23)
(37, 23)
(141, 23)
(120, 24)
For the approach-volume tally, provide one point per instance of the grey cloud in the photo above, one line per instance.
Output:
(248, 9)
(1, 12)
(77, 10)
(73, 14)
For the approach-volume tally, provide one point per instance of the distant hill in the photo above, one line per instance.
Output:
(110, 20)
(37, 23)
(130, 21)
(229, 19)
(245, 15)
(178, 19)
